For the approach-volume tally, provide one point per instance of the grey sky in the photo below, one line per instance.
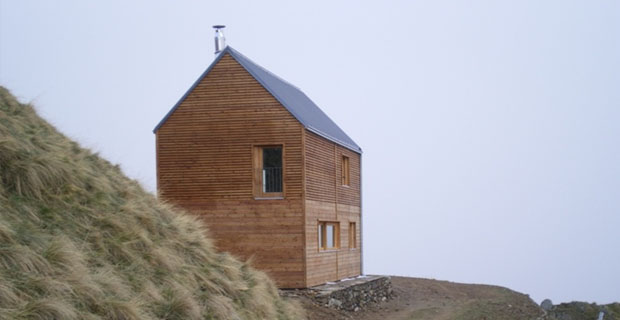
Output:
(490, 129)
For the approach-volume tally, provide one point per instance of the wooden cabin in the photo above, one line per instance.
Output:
(273, 177)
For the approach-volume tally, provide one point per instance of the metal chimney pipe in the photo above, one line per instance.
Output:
(220, 41)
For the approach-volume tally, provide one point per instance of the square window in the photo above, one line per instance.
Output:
(328, 235)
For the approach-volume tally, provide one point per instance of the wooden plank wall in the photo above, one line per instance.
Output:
(328, 200)
(349, 195)
(204, 162)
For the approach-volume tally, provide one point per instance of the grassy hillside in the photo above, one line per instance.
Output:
(79, 240)
(582, 310)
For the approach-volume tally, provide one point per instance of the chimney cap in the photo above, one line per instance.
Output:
(220, 40)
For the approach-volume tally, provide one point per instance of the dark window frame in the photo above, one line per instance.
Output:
(259, 183)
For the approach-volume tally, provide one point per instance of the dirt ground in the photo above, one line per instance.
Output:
(417, 298)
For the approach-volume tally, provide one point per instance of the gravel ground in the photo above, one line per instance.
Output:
(417, 298)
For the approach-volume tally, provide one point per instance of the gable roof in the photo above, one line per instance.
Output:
(291, 97)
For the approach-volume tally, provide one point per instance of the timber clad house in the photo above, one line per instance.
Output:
(272, 176)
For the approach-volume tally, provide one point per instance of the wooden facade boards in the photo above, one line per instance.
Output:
(206, 163)
(327, 199)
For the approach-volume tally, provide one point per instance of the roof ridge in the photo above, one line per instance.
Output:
(262, 68)
(244, 61)
(292, 98)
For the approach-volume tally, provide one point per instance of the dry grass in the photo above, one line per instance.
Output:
(79, 240)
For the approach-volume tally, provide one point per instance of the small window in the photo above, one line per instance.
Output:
(329, 235)
(345, 171)
(268, 171)
(352, 236)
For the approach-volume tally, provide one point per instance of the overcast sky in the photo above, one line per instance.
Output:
(490, 129)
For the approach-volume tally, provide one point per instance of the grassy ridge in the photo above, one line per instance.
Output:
(582, 310)
(79, 240)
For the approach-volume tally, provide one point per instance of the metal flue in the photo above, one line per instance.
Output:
(220, 40)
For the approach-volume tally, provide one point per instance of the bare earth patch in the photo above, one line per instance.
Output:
(417, 298)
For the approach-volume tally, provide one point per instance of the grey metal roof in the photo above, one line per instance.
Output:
(291, 97)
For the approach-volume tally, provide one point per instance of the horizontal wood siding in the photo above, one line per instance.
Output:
(320, 169)
(331, 265)
(348, 194)
(204, 164)
(349, 260)
(328, 200)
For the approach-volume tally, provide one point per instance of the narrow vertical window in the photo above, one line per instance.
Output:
(352, 236)
(328, 235)
(345, 171)
(268, 171)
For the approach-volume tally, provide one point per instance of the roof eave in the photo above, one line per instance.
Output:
(337, 141)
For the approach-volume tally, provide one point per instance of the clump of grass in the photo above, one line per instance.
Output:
(46, 308)
(79, 240)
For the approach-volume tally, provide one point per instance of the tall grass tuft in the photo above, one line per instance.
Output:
(79, 240)
(46, 308)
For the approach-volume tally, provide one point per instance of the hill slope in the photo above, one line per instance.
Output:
(428, 299)
(422, 299)
(79, 240)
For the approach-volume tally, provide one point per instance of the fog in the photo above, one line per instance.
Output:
(490, 129)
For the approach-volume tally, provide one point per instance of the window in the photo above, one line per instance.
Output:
(352, 236)
(268, 171)
(329, 235)
(345, 171)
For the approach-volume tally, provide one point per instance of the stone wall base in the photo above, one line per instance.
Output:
(351, 294)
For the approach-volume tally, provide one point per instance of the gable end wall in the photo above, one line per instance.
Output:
(204, 165)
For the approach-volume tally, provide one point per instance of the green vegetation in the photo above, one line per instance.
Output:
(583, 310)
(79, 240)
